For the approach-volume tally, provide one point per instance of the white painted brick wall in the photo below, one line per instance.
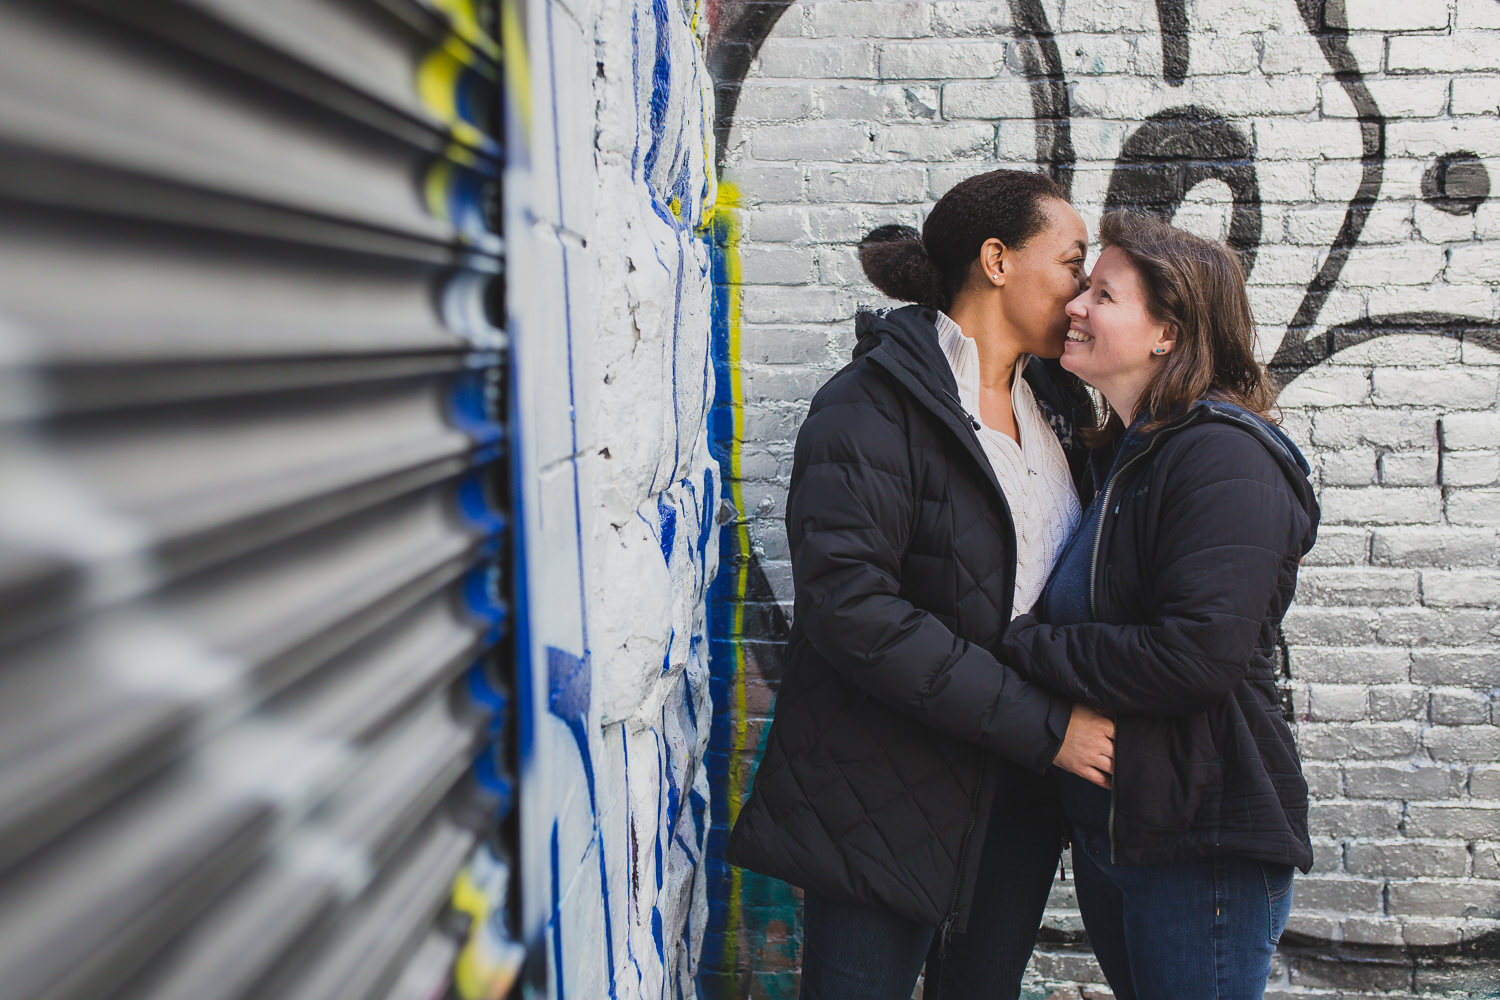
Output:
(1394, 645)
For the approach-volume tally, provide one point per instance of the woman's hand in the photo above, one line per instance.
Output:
(1088, 749)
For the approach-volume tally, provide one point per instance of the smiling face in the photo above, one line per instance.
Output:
(1039, 278)
(1113, 342)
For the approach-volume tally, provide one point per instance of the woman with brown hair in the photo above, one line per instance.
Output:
(1163, 611)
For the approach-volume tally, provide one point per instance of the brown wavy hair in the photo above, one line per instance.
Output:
(1197, 287)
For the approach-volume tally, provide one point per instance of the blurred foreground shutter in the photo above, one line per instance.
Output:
(255, 668)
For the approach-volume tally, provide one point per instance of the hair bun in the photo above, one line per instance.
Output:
(896, 262)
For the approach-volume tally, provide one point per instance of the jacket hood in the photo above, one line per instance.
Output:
(1278, 445)
(907, 336)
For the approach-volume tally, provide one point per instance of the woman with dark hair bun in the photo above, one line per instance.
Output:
(1163, 610)
(903, 784)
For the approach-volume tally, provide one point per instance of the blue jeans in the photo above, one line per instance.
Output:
(1194, 929)
(852, 952)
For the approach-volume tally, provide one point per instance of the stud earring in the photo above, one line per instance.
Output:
(1159, 350)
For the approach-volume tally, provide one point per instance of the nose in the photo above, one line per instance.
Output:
(1075, 307)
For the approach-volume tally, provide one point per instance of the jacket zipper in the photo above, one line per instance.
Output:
(963, 859)
(1109, 486)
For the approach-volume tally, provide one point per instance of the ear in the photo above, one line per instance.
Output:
(1166, 340)
(993, 262)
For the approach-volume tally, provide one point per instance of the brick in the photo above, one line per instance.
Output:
(1371, 930)
(1471, 430)
(1357, 741)
(937, 143)
(762, 101)
(935, 59)
(1338, 546)
(1317, 585)
(1463, 743)
(1475, 353)
(1234, 96)
(777, 224)
(1399, 97)
(1327, 385)
(1319, 225)
(1290, 139)
(1336, 181)
(884, 184)
(1298, 52)
(1318, 927)
(879, 103)
(1471, 468)
(1348, 979)
(1471, 667)
(868, 19)
(1329, 626)
(1487, 861)
(1461, 588)
(1408, 468)
(1427, 137)
(1350, 664)
(1433, 546)
(1386, 15)
(1342, 895)
(796, 305)
(759, 185)
(815, 59)
(966, 18)
(1401, 350)
(1382, 267)
(1429, 933)
(1337, 702)
(1472, 264)
(1484, 782)
(1324, 781)
(1100, 55)
(1428, 626)
(1476, 14)
(1438, 298)
(1397, 702)
(1375, 505)
(1476, 95)
(1443, 898)
(1454, 53)
(1434, 226)
(1458, 707)
(778, 265)
(815, 141)
(1474, 506)
(1405, 780)
(986, 100)
(1456, 389)
(1344, 426)
(1463, 978)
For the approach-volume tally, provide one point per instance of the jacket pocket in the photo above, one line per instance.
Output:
(1169, 779)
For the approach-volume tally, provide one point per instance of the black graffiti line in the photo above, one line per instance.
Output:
(729, 61)
(1171, 15)
(1050, 108)
(1295, 355)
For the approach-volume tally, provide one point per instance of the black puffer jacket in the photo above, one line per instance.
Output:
(1195, 562)
(882, 751)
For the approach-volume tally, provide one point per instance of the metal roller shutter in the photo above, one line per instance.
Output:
(255, 668)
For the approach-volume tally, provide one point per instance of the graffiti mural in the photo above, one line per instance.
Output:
(1346, 156)
(610, 286)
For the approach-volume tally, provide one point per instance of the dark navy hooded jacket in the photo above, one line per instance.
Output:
(1202, 529)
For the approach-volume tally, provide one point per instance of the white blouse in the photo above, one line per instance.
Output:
(1034, 474)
